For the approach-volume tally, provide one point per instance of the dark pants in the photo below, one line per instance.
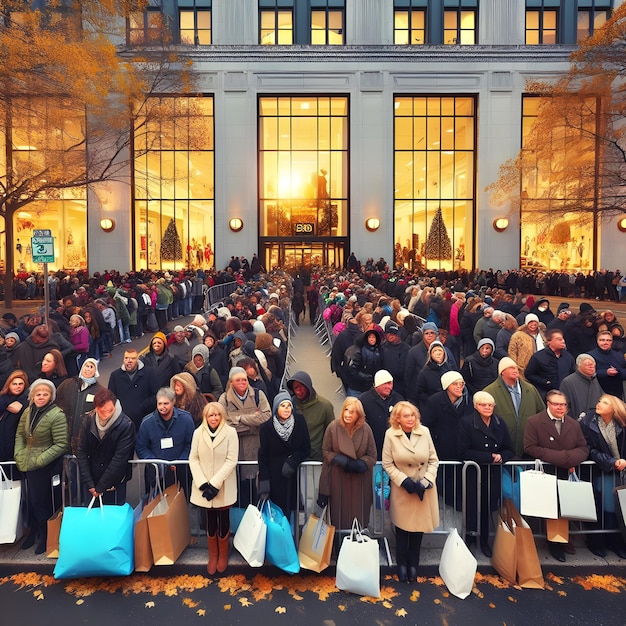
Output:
(42, 497)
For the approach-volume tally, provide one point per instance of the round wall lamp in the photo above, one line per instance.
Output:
(621, 224)
(372, 224)
(500, 224)
(107, 224)
(235, 224)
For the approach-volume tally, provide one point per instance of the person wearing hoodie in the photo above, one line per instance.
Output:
(205, 375)
(217, 355)
(283, 444)
(105, 446)
(188, 396)
(163, 364)
(481, 368)
(364, 359)
(75, 396)
(429, 379)
(133, 387)
(318, 412)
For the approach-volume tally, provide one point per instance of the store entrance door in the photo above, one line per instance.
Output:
(291, 255)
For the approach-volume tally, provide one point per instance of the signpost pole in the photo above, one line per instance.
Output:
(46, 295)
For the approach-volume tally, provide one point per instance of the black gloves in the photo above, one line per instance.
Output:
(408, 485)
(356, 466)
(421, 486)
(210, 492)
(289, 468)
(264, 489)
(341, 460)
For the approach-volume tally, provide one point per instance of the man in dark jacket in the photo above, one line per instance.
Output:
(394, 352)
(378, 403)
(343, 341)
(582, 388)
(132, 386)
(610, 365)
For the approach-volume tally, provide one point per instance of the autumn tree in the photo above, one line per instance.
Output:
(74, 92)
(574, 155)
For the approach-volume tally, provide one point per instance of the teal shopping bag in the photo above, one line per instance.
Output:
(280, 549)
(96, 541)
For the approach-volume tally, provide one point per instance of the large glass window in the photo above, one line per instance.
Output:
(144, 27)
(174, 184)
(276, 23)
(327, 23)
(303, 166)
(194, 22)
(592, 14)
(459, 26)
(409, 26)
(542, 19)
(434, 151)
(557, 184)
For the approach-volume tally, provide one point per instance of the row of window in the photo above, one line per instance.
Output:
(416, 22)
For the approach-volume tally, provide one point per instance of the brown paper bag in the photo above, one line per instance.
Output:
(169, 532)
(504, 558)
(316, 544)
(529, 572)
(52, 540)
(143, 550)
(557, 530)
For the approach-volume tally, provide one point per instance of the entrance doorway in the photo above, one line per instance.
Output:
(289, 255)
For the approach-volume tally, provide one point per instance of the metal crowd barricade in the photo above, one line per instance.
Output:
(215, 294)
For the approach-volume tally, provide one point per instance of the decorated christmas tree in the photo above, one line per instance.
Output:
(438, 244)
(171, 247)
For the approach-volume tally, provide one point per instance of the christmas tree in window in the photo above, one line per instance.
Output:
(438, 244)
(171, 247)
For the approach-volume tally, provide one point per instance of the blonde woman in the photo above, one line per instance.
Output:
(410, 459)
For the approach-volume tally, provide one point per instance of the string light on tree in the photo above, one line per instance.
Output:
(438, 245)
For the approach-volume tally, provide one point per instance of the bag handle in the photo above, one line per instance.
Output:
(5, 483)
(573, 477)
(93, 499)
(355, 531)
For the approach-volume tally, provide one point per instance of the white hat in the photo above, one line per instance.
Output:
(450, 377)
(381, 377)
(531, 317)
(504, 364)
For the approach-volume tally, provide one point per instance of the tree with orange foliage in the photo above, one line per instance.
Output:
(76, 90)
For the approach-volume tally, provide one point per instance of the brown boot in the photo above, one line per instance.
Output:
(222, 562)
(213, 554)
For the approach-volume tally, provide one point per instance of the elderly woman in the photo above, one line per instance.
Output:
(410, 459)
(41, 441)
(349, 454)
(605, 433)
(484, 438)
(213, 461)
(284, 445)
(105, 446)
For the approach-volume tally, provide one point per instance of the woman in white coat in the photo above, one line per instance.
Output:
(213, 461)
(410, 459)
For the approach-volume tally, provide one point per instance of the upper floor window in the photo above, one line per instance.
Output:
(194, 18)
(276, 23)
(327, 23)
(145, 27)
(542, 19)
(592, 15)
(459, 26)
(409, 26)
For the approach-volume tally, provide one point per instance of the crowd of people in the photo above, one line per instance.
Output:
(437, 367)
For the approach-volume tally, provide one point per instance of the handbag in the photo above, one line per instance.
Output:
(358, 564)
(316, 542)
(576, 499)
(458, 565)
(96, 541)
(168, 526)
(538, 493)
(10, 508)
(280, 549)
(250, 537)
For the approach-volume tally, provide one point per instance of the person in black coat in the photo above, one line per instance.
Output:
(481, 368)
(284, 444)
(394, 352)
(106, 445)
(485, 439)
(163, 364)
(429, 379)
(13, 402)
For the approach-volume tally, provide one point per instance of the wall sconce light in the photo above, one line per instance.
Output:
(107, 224)
(235, 224)
(372, 224)
(621, 224)
(500, 224)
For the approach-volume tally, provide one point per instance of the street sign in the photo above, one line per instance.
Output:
(42, 246)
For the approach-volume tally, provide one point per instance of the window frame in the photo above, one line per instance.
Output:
(196, 12)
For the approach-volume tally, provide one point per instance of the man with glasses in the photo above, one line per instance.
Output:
(557, 439)
(610, 365)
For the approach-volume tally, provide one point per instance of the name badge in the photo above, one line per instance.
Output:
(167, 442)
(89, 397)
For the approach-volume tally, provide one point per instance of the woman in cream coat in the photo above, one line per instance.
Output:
(213, 461)
(410, 459)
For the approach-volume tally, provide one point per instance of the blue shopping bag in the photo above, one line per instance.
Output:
(280, 549)
(96, 541)
(510, 484)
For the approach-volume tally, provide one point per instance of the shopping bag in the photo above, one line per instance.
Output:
(10, 508)
(458, 565)
(169, 531)
(576, 499)
(316, 542)
(96, 541)
(236, 515)
(538, 494)
(557, 530)
(358, 564)
(52, 538)
(511, 484)
(529, 572)
(620, 508)
(504, 557)
(280, 549)
(250, 537)
(143, 550)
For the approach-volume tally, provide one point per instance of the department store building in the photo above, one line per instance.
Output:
(333, 126)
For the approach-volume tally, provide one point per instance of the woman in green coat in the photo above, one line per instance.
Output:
(41, 440)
